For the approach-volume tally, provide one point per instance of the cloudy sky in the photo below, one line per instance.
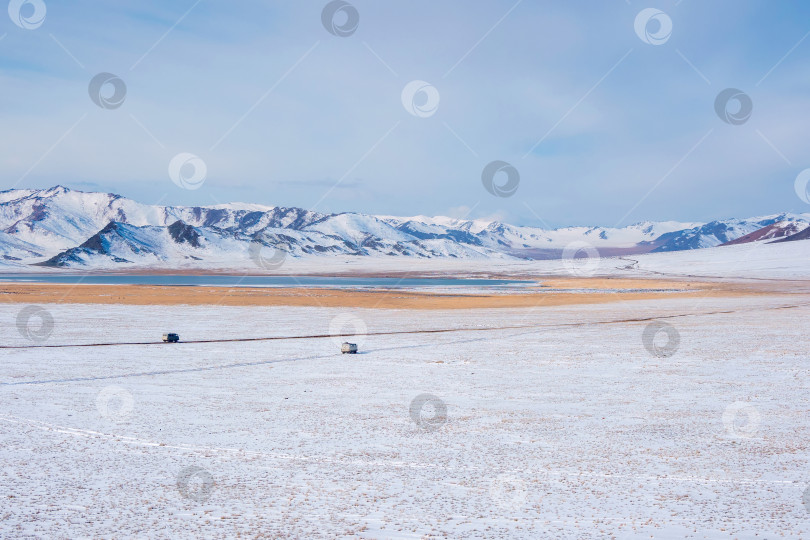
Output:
(606, 120)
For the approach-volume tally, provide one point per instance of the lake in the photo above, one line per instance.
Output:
(253, 281)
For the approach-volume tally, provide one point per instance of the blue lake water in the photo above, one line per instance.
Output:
(253, 281)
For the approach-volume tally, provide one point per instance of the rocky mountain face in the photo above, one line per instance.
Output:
(730, 231)
(803, 234)
(59, 227)
(779, 229)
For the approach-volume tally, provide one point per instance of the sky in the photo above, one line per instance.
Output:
(599, 112)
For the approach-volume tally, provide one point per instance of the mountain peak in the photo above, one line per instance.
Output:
(57, 190)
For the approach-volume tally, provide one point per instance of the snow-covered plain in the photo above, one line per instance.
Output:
(756, 260)
(568, 428)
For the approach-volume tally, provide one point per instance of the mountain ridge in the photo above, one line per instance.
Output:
(65, 228)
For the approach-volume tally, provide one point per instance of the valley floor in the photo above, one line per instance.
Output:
(563, 426)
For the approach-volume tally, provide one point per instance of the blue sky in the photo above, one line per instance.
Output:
(604, 128)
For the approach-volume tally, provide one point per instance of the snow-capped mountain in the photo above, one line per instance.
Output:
(59, 227)
(779, 229)
(724, 232)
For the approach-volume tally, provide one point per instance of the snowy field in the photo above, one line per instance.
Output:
(570, 428)
(758, 260)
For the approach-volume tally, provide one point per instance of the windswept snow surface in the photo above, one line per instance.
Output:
(754, 260)
(567, 429)
(758, 260)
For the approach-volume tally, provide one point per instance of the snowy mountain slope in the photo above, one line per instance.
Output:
(499, 235)
(35, 216)
(184, 245)
(15, 249)
(804, 234)
(66, 228)
(780, 229)
(720, 232)
(61, 218)
(116, 243)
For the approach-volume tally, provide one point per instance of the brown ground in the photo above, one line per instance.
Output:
(29, 293)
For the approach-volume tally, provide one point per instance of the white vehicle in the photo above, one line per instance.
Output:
(348, 348)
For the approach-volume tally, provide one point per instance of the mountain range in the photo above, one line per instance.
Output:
(64, 228)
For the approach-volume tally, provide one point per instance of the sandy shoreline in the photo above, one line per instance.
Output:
(600, 291)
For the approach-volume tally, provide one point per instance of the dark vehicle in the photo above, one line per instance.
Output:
(171, 338)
